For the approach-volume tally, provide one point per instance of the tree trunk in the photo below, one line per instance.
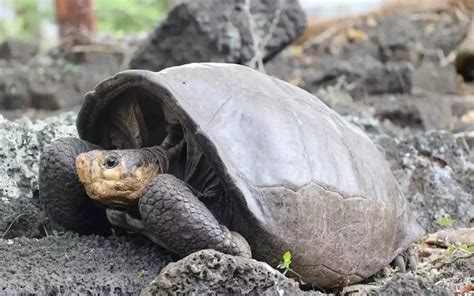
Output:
(76, 19)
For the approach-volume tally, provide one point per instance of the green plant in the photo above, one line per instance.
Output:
(445, 221)
(122, 17)
(458, 251)
(22, 18)
(285, 263)
(141, 273)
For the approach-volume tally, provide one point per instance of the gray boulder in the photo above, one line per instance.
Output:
(419, 111)
(209, 272)
(221, 31)
(384, 59)
(361, 75)
(18, 50)
(53, 84)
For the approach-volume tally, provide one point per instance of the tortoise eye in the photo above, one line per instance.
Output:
(111, 162)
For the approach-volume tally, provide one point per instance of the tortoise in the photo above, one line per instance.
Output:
(211, 155)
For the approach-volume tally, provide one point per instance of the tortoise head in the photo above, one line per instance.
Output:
(115, 176)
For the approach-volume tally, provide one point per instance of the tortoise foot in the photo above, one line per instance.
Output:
(176, 219)
(407, 260)
(61, 193)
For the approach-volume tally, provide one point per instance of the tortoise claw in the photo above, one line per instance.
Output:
(399, 262)
(123, 219)
(407, 260)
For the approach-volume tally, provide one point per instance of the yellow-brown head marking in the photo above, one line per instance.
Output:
(115, 176)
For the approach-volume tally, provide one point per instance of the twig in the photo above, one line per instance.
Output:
(273, 26)
(11, 224)
(256, 61)
(259, 45)
(45, 231)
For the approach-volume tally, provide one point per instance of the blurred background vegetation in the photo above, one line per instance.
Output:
(31, 19)
(122, 17)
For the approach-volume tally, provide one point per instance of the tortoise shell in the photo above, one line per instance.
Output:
(300, 177)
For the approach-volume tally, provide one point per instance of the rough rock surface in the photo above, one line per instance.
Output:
(221, 31)
(418, 111)
(378, 56)
(409, 284)
(78, 265)
(22, 142)
(436, 175)
(362, 75)
(209, 272)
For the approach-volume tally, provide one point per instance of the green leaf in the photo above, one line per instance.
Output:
(445, 221)
(141, 273)
(286, 259)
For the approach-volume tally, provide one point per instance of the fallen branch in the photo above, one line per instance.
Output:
(11, 224)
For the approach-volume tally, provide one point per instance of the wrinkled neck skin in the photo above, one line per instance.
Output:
(156, 155)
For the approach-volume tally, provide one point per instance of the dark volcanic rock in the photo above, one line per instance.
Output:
(420, 111)
(22, 142)
(78, 265)
(221, 31)
(209, 272)
(404, 36)
(378, 57)
(54, 84)
(408, 284)
(362, 75)
(436, 175)
(14, 92)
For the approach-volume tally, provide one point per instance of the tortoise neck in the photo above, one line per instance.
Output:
(156, 154)
(161, 155)
(173, 137)
(169, 148)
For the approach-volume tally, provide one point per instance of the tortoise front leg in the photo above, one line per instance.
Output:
(61, 193)
(176, 219)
